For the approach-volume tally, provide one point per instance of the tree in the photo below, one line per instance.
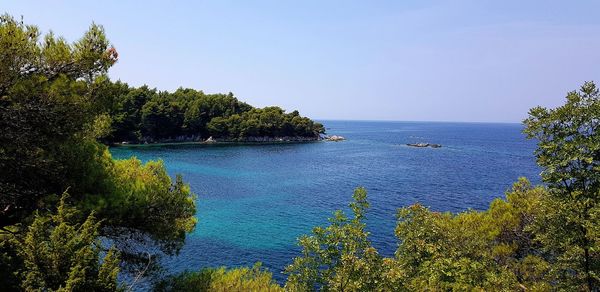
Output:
(146, 201)
(127, 115)
(45, 107)
(268, 121)
(161, 117)
(60, 254)
(338, 257)
(202, 108)
(25, 58)
(569, 152)
(489, 250)
(221, 279)
(54, 104)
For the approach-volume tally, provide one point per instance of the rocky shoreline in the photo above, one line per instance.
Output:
(265, 139)
(250, 140)
(211, 140)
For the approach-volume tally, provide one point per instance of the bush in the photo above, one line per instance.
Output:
(221, 279)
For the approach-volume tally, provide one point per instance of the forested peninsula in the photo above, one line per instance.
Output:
(144, 115)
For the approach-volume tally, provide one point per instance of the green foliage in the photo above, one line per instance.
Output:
(161, 118)
(338, 257)
(100, 127)
(55, 102)
(269, 121)
(239, 279)
(45, 111)
(144, 115)
(202, 108)
(146, 200)
(569, 152)
(126, 110)
(61, 255)
(490, 250)
(25, 56)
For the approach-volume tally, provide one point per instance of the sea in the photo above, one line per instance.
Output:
(255, 200)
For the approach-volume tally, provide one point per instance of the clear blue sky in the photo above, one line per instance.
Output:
(380, 60)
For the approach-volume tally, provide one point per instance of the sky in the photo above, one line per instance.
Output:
(466, 61)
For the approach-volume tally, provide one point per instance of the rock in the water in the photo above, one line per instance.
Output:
(210, 140)
(423, 145)
(335, 138)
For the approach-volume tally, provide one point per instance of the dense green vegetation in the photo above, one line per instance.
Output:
(51, 114)
(240, 279)
(72, 218)
(60, 254)
(269, 121)
(142, 114)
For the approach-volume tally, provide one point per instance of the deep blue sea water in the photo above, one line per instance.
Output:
(254, 201)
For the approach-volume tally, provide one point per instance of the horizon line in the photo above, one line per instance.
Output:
(414, 121)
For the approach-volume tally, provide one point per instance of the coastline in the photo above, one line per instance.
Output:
(219, 142)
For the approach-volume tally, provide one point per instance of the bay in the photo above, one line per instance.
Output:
(254, 201)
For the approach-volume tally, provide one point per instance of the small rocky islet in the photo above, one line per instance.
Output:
(335, 138)
(424, 145)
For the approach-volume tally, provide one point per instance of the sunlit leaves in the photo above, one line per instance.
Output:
(569, 152)
(221, 279)
(60, 254)
(338, 257)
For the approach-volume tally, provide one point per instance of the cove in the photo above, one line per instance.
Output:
(254, 201)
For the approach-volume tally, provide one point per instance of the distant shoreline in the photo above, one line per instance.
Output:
(219, 143)
(247, 141)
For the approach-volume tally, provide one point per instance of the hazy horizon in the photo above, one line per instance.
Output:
(414, 121)
(465, 61)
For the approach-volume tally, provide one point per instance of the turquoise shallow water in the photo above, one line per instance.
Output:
(255, 200)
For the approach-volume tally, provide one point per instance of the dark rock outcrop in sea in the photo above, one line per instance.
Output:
(423, 145)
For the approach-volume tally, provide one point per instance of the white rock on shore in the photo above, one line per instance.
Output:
(335, 138)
